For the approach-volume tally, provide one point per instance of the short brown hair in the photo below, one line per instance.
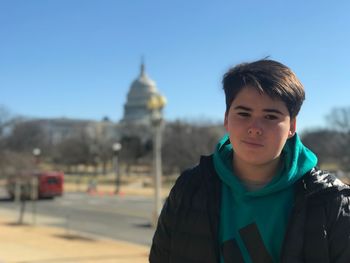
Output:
(269, 77)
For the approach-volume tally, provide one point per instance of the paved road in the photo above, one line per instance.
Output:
(122, 218)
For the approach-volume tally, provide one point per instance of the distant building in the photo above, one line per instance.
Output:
(135, 122)
(141, 90)
(60, 129)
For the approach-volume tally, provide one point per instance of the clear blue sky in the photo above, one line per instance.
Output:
(77, 58)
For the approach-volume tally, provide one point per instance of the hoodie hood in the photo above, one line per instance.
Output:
(242, 208)
(297, 160)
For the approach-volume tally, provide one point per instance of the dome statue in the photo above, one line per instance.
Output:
(136, 109)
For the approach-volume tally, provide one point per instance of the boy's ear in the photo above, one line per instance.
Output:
(293, 127)
(225, 121)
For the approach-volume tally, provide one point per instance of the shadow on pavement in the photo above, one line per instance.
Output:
(82, 259)
(9, 199)
(6, 199)
(73, 237)
(18, 224)
(144, 225)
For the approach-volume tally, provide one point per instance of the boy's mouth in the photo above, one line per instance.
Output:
(252, 143)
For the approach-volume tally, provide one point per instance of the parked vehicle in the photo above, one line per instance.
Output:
(36, 185)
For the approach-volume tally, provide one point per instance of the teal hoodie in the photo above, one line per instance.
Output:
(264, 211)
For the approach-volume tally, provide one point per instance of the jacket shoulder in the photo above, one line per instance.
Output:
(321, 181)
(328, 215)
(191, 179)
(185, 219)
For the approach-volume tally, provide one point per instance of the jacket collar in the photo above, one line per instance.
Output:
(315, 186)
(319, 181)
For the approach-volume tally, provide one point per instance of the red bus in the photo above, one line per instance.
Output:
(37, 185)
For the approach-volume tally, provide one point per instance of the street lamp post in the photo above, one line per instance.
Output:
(116, 149)
(36, 153)
(156, 103)
(34, 179)
(29, 189)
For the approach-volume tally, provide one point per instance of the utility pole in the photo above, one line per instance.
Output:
(156, 103)
(34, 183)
(116, 149)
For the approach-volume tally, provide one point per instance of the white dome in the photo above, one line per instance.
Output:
(141, 90)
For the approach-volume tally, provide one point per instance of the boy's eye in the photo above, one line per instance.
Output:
(271, 117)
(243, 114)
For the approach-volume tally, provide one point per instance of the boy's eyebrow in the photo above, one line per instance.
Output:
(273, 111)
(240, 107)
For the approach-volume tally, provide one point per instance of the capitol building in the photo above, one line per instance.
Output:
(135, 122)
(136, 110)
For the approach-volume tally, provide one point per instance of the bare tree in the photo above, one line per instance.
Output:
(5, 117)
(339, 119)
(25, 136)
(73, 151)
(184, 143)
(325, 143)
(104, 152)
(6, 158)
(133, 151)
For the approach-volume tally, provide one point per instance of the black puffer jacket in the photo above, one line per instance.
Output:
(318, 229)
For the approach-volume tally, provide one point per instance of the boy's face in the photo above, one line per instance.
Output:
(258, 127)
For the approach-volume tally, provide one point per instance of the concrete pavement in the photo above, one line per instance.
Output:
(135, 190)
(43, 244)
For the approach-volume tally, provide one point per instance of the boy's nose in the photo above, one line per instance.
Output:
(255, 131)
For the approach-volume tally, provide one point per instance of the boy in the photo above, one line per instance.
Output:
(259, 197)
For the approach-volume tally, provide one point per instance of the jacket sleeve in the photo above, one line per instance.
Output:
(161, 243)
(339, 231)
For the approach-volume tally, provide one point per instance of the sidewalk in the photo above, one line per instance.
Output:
(134, 189)
(45, 244)
(42, 244)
